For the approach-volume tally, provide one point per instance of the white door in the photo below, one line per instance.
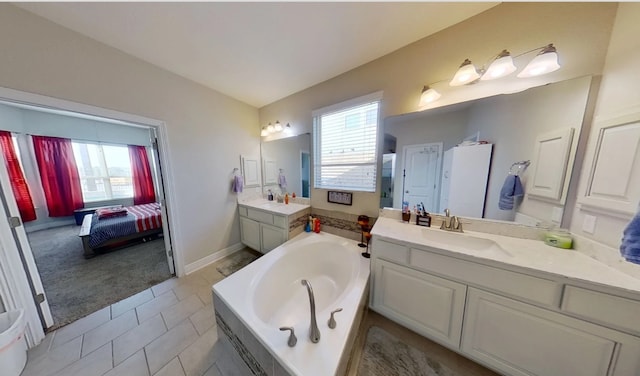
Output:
(422, 164)
(159, 185)
(19, 258)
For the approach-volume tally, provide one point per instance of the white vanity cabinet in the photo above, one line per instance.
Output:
(429, 305)
(515, 322)
(262, 230)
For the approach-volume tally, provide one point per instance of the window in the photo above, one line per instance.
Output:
(345, 137)
(105, 171)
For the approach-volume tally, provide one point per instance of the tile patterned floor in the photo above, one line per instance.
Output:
(170, 330)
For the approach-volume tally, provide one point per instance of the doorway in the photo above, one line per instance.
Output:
(422, 164)
(51, 252)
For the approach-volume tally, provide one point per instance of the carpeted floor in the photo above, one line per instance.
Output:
(237, 261)
(76, 287)
(386, 355)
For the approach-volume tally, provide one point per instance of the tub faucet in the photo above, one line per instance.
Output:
(314, 332)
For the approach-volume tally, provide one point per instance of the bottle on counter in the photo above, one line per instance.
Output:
(270, 195)
(286, 198)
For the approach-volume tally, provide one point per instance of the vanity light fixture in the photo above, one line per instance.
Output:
(500, 67)
(467, 73)
(275, 128)
(428, 95)
(546, 61)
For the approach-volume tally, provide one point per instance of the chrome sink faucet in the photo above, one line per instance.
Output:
(314, 332)
(451, 223)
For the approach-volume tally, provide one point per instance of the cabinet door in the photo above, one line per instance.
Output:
(250, 233)
(427, 304)
(613, 179)
(271, 237)
(520, 339)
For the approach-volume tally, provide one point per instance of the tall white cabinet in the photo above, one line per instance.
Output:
(465, 172)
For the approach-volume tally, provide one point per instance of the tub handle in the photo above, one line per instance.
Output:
(332, 321)
(292, 337)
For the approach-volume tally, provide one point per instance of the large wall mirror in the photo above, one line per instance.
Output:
(286, 165)
(439, 157)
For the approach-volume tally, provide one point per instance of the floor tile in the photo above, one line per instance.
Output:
(199, 356)
(137, 338)
(42, 348)
(165, 286)
(178, 312)
(108, 331)
(81, 326)
(55, 360)
(94, 364)
(174, 368)
(213, 371)
(131, 302)
(205, 294)
(204, 319)
(190, 286)
(153, 307)
(135, 365)
(170, 344)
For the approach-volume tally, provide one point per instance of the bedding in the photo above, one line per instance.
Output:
(111, 212)
(136, 219)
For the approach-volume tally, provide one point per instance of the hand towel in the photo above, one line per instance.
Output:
(630, 246)
(238, 183)
(511, 189)
(282, 181)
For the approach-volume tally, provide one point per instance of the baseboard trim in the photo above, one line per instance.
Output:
(208, 260)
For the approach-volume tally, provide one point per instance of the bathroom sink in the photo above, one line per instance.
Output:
(462, 241)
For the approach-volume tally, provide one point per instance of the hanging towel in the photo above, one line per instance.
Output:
(282, 181)
(630, 246)
(511, 189)
(238, 183)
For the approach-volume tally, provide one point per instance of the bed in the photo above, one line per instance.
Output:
(132, 222)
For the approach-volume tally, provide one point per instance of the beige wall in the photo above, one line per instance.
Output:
(580, 31)
(618, 95)
(207, 131)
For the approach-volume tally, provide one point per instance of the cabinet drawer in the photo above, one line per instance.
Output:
(280, 221)
(260, 216)
(242, 210)
(389, 251)
(538, 290)
(608, 309)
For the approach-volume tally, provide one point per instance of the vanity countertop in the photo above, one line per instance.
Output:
(523, 253)
(275, 207)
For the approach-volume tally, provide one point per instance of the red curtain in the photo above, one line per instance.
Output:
(18, 183)
(59, 175)
(143, 192)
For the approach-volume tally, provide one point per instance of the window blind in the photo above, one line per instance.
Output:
(345, 147)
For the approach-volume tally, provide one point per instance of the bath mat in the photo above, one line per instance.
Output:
(236, 262)
(386, 355)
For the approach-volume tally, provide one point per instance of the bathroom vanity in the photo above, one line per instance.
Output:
(514, 305)
(264, 225)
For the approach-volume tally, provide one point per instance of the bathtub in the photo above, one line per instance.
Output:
(253, 303)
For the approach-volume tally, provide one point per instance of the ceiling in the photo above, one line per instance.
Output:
(257, 52)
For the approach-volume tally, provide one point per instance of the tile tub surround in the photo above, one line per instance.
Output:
(340, 223)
